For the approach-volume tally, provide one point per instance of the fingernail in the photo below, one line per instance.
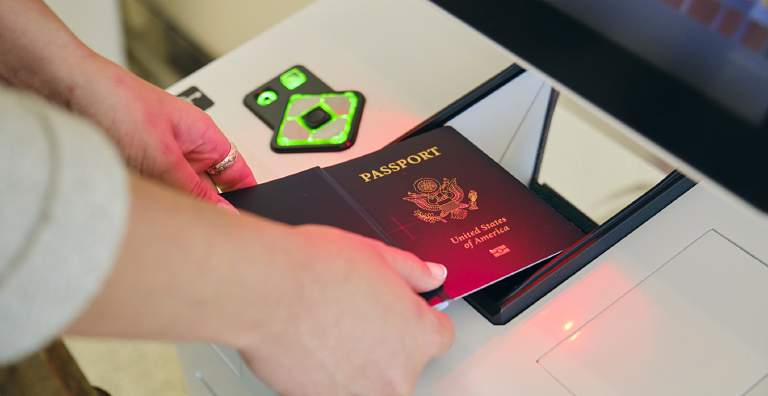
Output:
(227, 207)
(438, 270)
(441, 305)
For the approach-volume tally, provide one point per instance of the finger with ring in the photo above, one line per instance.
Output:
(226, 162)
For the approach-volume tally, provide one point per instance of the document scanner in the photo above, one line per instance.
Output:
(642, 122)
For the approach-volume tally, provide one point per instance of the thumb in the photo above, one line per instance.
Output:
(422, 276)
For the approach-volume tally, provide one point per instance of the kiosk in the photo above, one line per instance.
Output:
(667, 293)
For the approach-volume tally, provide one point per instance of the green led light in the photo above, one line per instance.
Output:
(293, 78)
(341, 137)
(266, 98)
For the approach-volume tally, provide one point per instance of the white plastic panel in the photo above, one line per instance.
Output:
(231, 357)
(760, 389)
(207, 374)
(594, 172)
(520, 157)
(492, 123)
(696, 326)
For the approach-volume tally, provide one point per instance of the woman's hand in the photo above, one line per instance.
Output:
(312, 309)
(345, 318)
(160, 135)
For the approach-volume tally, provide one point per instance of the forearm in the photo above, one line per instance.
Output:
(183, 269)
(190, 271)
(39, 53)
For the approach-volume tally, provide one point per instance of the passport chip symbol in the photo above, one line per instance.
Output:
(499, 251)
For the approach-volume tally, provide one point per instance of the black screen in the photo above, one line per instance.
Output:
(690, 75)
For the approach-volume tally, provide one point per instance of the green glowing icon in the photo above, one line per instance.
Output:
(293, 78)
(266, 98)
(324, 119)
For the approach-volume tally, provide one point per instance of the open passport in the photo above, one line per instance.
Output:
(436, 195)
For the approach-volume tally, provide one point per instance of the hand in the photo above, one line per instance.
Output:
(346, 320)
(160, 135)
(312, 309)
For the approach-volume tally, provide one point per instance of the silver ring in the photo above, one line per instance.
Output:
(226, 162)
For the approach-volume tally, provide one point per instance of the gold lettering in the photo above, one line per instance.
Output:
(496, 232)
(400, 164)
(492, 224)
(418, 159)
(425, 155)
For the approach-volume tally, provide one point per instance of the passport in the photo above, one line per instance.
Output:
(436, 195)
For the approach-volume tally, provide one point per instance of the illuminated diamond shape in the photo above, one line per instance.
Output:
(328, 117)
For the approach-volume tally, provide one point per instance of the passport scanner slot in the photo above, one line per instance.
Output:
(567, 156)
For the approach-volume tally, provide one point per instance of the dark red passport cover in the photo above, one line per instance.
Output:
(436, 195)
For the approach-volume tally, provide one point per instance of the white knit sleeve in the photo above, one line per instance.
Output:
(64, 202)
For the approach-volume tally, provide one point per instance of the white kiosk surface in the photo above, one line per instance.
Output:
(682, 315)
(675, 308)
(408, 58)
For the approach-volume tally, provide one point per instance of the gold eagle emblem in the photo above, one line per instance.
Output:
(445, 198)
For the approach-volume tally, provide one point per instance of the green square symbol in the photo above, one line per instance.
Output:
(293, 78)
